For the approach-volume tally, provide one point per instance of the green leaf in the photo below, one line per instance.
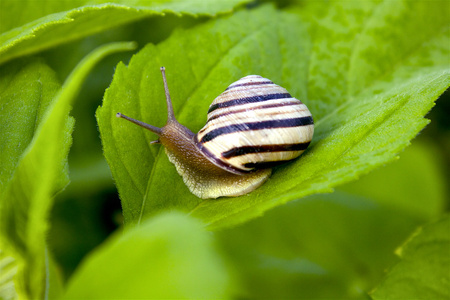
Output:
(39, 168)
(423, 272)
(360, 123)
(63, 26)
(27, 92)
(20, 12)
(27, 88)
(168, 257)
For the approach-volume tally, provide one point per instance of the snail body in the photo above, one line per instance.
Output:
(251, 127)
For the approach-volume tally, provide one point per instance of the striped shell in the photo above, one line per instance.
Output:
(255, 124)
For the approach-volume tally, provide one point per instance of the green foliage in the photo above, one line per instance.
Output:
(39, 170)
(420, 196)
(356, 129)
(63, 21)
(423, 272)
(32, 83)
(168, 257)
(36, 169)
(368, 70)
(343, 240)
(280, 256)
(8, 267)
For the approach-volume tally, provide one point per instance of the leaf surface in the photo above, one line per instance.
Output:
(77, 22)
(360, 123)
(423, 272)
(173, 257)
(27, 88)
(39, 168)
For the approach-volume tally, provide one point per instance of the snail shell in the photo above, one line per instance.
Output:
(255, 124)
(251, 127)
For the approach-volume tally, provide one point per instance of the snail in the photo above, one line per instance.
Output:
(251, 127)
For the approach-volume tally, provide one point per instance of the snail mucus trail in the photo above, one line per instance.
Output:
(252, 126)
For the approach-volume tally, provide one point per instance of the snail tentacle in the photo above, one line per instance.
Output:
(152, 128)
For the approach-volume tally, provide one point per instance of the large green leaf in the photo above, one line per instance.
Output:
(37, 170)
(168, 257)
(424, 271)
(366, 102)
(58, 26)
